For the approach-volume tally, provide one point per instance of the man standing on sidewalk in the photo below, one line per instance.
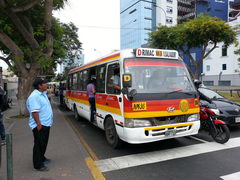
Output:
(40, 121)
(2, 129)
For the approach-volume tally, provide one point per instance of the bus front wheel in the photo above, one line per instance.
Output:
(111, 134)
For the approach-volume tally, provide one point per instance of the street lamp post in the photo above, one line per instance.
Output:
(155, 4)
(162, 10)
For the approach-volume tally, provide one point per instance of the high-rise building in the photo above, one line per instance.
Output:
(140, 17)
(186, 10)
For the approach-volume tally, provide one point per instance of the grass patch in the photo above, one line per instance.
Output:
(18, 117)
(234, 96)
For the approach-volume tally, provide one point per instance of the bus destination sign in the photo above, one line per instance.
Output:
(156, 53)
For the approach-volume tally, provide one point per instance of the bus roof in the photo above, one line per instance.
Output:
(139, 53)
(111, 57)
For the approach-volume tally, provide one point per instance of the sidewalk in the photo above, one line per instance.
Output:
(64, 149)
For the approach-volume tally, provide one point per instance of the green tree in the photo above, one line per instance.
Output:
(32, 41)
(203, 32)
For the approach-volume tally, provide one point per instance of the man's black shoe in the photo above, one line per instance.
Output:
(43, 169)
(46, 161)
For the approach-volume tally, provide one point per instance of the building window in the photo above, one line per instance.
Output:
(148, 29)
(208, 68)
(132, 11)
(224, 83)
(194, 56)
(220, 1)
(208, 83)
(219, 10)
(149, 8)
(224, 50)
(147, 18)
(169, 9)
(224, 66)
(169, 1)
(169, 20)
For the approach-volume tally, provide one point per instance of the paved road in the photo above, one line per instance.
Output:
(196, 157)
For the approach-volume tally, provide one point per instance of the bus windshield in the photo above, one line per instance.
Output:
(158, 75)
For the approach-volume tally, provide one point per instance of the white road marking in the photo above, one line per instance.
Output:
(198, 139)
(234, 176)
(163, 155)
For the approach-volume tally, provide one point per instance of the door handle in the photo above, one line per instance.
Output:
(107, 104)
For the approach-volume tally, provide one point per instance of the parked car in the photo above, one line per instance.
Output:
(229, 110)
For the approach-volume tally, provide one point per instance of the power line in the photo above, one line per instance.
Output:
(102, 27)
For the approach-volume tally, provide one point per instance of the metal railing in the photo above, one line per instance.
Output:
(9, 156)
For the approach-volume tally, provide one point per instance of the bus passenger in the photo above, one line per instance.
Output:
(91, 90)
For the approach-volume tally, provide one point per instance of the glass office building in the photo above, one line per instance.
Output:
(136, 22)
(140, 17)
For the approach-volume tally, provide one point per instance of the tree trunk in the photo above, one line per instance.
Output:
(24, 89)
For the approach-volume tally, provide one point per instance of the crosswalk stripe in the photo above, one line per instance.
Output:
(127, 161)
(198, 139)
(234, 176)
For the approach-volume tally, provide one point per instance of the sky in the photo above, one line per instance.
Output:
(98, 23)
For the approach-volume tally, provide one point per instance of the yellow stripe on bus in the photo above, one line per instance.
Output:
(159, 113)
(109, 109)
(86, 102)
(99, 106)
(168, 126)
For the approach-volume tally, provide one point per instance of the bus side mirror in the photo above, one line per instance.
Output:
(127, 80)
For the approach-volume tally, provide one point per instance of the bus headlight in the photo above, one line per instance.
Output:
(193, 117)
(132, 123)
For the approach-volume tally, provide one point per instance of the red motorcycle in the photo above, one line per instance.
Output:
(216, 128)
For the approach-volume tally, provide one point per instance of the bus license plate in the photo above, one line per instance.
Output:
(237, 119)
(171, 132)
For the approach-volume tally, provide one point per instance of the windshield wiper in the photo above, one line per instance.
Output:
(180, 90)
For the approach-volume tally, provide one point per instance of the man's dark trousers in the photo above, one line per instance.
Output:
(2, 129)
(40, 145)
(93, 107)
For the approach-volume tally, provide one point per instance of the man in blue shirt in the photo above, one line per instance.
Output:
(40, 121)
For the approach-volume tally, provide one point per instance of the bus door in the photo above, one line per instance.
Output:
(100, 93)
(114, 101)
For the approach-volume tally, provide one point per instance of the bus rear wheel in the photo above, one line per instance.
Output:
(111, 134)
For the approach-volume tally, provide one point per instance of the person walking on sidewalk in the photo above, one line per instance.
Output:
(2, 129)
(40, 121)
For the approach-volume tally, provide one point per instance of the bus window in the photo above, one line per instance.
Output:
(92, 73)
(80, 80)
(113, 79)
(74, 81)
(85, 79)
(70, 82)
(101, 72)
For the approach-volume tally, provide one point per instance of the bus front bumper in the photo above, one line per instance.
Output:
(157, 133)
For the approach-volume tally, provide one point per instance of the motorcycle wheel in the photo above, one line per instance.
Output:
(222, 133)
